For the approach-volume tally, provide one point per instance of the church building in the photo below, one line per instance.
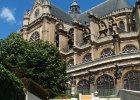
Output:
(101, 45)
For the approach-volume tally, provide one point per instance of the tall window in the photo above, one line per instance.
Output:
(57, 39)
(132, 80)
(87, 57)
(86, 36)
(35, 37)
(83, 86)
(122, 25)
(105, 85)
(107, 52)
(130, 49)
(70, 36)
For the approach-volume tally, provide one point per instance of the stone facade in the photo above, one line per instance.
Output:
(102, 48)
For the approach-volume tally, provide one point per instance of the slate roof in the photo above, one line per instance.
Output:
(105, 8)
(61, 15)
(100, 10)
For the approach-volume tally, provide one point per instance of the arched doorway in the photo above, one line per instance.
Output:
(83, 86)
(132, 80)
(105, 85)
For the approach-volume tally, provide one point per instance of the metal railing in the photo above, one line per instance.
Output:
(106, 92)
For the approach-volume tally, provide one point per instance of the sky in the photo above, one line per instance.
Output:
(12, 11)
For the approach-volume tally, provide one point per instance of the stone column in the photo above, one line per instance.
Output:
(77, 59)
(93, 50)
(116, 39)
(91, 81)
(45, 34)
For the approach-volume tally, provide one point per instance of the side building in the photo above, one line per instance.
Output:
(101, 45)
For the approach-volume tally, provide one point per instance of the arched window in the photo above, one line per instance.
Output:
(87, 57)
(70, 62)
(83, 86)
(70, 36)
(57, 39)
(107, 52)
(105, 85)
(130, 49)
(36, 14)
(35, 37)
(132, 80)
(122, 25)
(86, 35)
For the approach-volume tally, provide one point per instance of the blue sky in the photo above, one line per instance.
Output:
(12, 11)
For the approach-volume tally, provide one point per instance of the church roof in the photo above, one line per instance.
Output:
(100, 10)
(61, 15)
(105, 8)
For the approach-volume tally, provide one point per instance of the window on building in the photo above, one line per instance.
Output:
(86, 36)
(83, 86)
(105, 85)
(70, 36)
(132, 80)
(36, 14)
(70, 62)
(87, 57)
(130, 49)
(122, 25)
(107, 52)
(35, 37)
(57, 39)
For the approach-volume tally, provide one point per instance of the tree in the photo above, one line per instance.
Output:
(39, 61)
(11, 88)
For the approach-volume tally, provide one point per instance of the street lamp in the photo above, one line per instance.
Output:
(96, 93)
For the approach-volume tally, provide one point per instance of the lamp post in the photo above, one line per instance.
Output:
(96, 93)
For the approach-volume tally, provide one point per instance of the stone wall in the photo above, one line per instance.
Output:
(129, 95)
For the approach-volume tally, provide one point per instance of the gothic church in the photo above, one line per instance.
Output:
(101, 45)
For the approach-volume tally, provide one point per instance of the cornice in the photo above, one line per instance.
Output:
(104, 61)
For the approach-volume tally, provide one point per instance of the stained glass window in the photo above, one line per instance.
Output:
(107, 52)
(132, 80)
(129, 49)
(83, 86)
(105, 85)
(35, 37)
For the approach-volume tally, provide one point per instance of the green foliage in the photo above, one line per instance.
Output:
(40, 61)
(11, 88)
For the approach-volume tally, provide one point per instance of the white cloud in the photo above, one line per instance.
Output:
(8, 15)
